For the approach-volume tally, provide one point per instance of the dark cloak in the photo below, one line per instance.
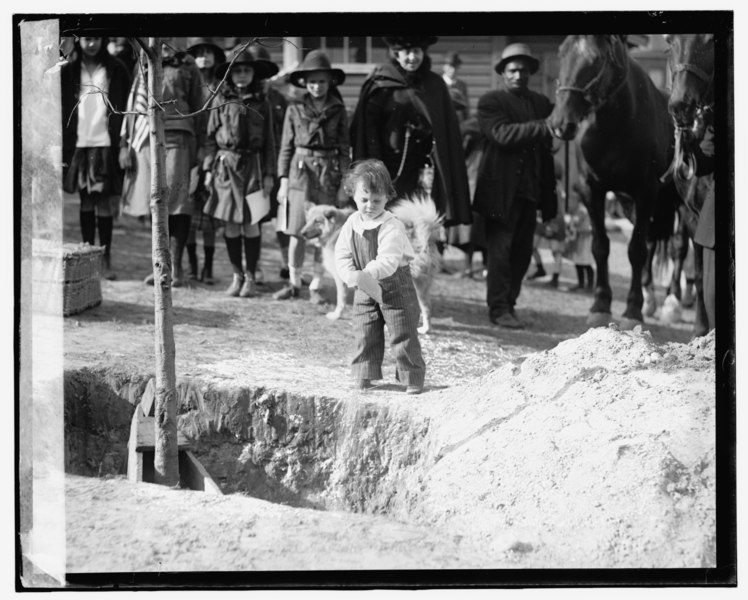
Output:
(451, 193)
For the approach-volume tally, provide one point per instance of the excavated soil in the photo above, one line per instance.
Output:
(548, 447)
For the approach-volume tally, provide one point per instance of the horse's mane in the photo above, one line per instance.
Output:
(603, 46)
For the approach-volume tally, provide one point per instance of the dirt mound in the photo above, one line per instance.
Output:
(598, 453)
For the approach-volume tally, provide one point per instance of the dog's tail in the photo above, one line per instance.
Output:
(418, 208)
(424, 224)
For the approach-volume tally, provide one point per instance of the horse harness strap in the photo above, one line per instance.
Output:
(585, 91)
(699, 72)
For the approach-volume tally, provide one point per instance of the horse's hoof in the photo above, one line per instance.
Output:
(333, 316)
(671, 310)
(649, 306)
(627, 324)
(599, 319)
(424, 329)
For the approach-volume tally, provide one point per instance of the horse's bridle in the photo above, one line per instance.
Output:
(684, 162)
(585, 91)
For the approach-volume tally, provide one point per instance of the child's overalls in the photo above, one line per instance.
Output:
(399, 310)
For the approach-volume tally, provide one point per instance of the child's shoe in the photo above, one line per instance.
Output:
(287, 292)
(236, 285)
(206, 275)
(414, 389)
(248, 287)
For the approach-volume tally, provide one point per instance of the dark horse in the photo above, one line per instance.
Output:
(691, 63)
(625, 133)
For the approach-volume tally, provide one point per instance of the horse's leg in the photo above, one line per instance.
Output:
(679, 252)
(637, 252)
(600, 312)
(700, 324)
(649, 305)
(672, 308)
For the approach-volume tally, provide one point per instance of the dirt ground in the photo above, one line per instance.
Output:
(506, 477)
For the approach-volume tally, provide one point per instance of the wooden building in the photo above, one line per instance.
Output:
(358, 55)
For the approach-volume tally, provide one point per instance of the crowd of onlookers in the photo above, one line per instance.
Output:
(256, 155)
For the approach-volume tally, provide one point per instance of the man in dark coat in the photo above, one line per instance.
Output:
(516, 179)
(396, 99)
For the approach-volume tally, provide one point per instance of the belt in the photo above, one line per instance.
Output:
(302, 151)
(242, 151)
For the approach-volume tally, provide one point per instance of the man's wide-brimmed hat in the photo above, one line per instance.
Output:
(193, 43)
(398, 42)
(452, 58)
(262, 68)
(316, 60)
(515, 51)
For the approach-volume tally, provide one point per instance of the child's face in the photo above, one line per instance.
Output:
(90, 46)
(242, 75)
(369, 204)
(318, 83)
(204, 57)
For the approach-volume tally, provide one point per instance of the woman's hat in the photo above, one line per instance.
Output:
(262, 68)
(260, 52)
(452, 58)
(193, 43)
(316, 60)
(399, 42)
(515, 51)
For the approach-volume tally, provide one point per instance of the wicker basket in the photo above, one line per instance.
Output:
(76, 266)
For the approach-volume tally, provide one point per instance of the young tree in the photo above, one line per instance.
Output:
(166, 461)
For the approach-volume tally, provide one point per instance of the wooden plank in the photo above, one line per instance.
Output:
(194, 475)
(134, 458)
(146, 435)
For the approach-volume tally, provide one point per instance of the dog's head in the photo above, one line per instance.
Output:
(323, 221)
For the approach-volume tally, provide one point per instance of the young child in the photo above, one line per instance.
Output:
(90, 137)
(240, 154)
(208, 57)
(579, 250)
(373, 241)
(182, 94)
(314, 154)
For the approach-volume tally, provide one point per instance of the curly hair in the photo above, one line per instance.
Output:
(372, 174)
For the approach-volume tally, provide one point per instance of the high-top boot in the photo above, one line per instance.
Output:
(192, 257)
(88, 227)
(106, 227)
(206, 275)
(234, 250)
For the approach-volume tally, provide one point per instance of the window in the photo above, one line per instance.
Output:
(355, 50)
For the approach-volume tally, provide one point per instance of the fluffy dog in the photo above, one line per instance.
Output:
(424, 225)
(323, 224)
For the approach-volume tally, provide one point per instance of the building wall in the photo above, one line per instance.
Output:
(479, 55)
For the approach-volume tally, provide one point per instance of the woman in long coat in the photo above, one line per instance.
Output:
(405, 118)
(90, 136)
(241, 156)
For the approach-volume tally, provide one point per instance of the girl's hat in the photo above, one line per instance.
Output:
(513, 52)
(262, 68)
(193, 43)
(400, 42)
(316, 60)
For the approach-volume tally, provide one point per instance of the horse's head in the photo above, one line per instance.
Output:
(591, 69)
(691, 62)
